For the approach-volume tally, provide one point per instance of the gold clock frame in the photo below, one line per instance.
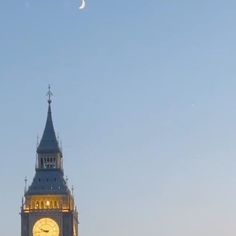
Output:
(45, 227)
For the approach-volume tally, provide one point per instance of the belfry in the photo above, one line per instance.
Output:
(48, 207)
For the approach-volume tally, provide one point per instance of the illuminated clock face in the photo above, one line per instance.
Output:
(74, 230)
(46, 227)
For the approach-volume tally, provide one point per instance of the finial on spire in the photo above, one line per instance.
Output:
(49, 94)
(25, 184)
(37, 142)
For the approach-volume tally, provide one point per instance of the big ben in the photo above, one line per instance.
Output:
(48, 207)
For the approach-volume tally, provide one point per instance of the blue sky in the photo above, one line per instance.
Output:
(144, 104)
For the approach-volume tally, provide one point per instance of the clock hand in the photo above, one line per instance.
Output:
(44, 230)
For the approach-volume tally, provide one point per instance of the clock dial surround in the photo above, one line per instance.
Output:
(46, 227)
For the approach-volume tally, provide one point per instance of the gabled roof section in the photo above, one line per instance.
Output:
(48, 143)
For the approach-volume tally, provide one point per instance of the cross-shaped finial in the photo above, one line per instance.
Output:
(49, 94)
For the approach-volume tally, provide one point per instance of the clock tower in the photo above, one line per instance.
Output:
(48, 207)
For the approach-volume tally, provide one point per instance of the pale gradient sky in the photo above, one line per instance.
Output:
(144, 103)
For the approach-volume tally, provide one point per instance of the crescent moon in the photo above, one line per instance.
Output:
(82, 6)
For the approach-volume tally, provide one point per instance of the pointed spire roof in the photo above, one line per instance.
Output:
(49, 143)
